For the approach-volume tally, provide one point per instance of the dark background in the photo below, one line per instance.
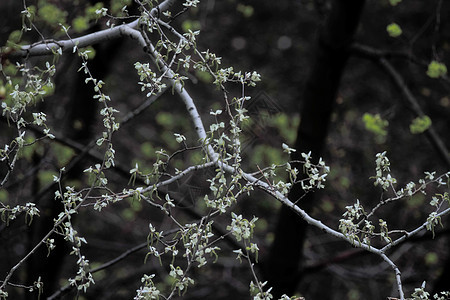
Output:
(278, 40)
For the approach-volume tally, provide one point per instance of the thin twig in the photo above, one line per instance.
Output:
(108, 264)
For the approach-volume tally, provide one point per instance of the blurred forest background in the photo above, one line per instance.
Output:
(278, 39)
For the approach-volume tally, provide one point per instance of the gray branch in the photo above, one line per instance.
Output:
(49, 48)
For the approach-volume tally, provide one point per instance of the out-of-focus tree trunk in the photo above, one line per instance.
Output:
(283, 267)
(443, 282)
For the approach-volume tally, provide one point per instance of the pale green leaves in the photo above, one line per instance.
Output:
(241, 228)
(356, 230)
(434, 218)
(316, 173)
(101, 12)
(436, 69)
(287, 149)
(229, 75)
(179, 138)
(384, 231)
(215, 113)
(257, 291)
(39, 118)
(37, 85)
(216, 126)
(7, 213)
(355, 223)
(420, 293)
(148, 290)
(348, 225)
(148, 79)
(382, 167)
(191, 3)
(394, 30)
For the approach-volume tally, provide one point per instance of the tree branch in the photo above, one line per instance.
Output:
(195, 116)
(48, 48)
(108, 264)
(131, 31)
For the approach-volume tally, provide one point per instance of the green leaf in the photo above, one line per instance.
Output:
(204, 76)
(394, 30)
(90, 10)
(192, 25)
(135, 206)
(62, 153)
(246, 10)
(2, 91)
(431, 258)
(420, 124)
(375, 124)
(10, 69)
(416, 201)
(436, 69)
(267, 154)
(166, 120)
(80, 24)
(48, 90)
(327, 206)
(52, 15)
(128, 214)
(46, 177)
(117, 5)
(394, 2)
(15, 36)
(148, 150)
(28, 151)
(90, 51)
(286, 125)
(4, 196)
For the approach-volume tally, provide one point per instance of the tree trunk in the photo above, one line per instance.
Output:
(283, 267)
